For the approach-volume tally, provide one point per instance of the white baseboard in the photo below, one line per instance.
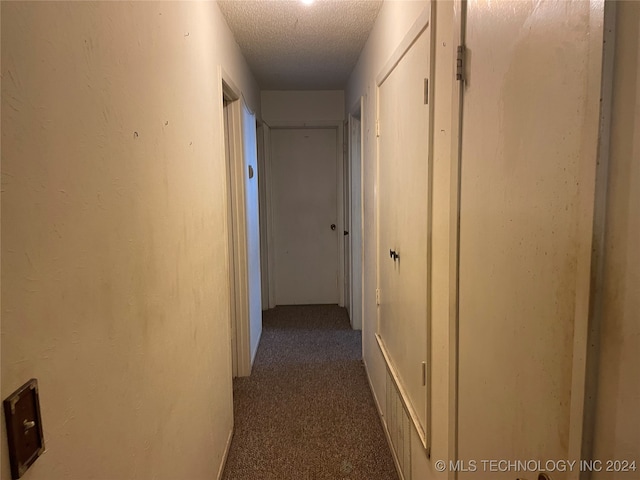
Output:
(225, 454)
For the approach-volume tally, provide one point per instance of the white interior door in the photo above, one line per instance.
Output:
(305, 215)
(403, 218)
(529, 143)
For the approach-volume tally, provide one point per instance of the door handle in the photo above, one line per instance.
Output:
(346, 233)
(333, 226)
(394, 255)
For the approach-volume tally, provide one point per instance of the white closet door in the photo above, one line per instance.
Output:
(403, 218)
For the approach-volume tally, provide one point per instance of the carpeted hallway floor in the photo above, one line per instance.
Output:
(306, 412)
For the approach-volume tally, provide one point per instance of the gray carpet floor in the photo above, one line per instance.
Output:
(306, 412)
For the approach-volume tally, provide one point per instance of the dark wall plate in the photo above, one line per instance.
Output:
(24, 427)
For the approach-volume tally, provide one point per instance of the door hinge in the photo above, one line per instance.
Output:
(377, 128)
(377, 296)
(426, 91)
(424, 373)
(345, 148)
(460, 64)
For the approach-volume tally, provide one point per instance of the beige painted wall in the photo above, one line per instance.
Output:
(527, 194)
(393, 23)
(617, 433)
(394, 20)
(617, 427)
(114, 266)
(302, 106)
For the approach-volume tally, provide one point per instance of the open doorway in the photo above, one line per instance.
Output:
(243, 229)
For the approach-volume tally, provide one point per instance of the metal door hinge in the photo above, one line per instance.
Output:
(345, 148)
(426, 91)
(377, 128)
(461, 74)
(377, 296)
(424, 373)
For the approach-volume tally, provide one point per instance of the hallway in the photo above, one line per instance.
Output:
(306, 412)
(475, 210)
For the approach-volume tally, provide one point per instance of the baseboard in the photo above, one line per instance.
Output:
(384, 423)
(255, 350)
(225, 454)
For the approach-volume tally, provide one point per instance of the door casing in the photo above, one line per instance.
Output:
(236, 254)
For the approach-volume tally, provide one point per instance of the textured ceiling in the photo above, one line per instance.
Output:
(293, 46)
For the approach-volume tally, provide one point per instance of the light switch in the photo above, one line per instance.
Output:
(24, 427)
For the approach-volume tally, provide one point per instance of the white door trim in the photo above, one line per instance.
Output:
(347, 212)
(591, 226)
(261, 135)
(236, 254)
(357, 248)
(408, 40)
(266, 221)
(459, 21)
(598, 251)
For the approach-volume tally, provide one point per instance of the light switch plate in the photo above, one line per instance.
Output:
(24, 428)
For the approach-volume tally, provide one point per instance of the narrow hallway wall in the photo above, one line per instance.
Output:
(115, 288)
(617, 432)
(393, 23)
(299, 107)
(616, 435)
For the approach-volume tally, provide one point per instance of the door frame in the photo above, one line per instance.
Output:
(236, 226)
(340, 226)
(346, 209)
(264, 186)
(355, 158)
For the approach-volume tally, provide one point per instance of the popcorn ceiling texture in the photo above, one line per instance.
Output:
(293, 46)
